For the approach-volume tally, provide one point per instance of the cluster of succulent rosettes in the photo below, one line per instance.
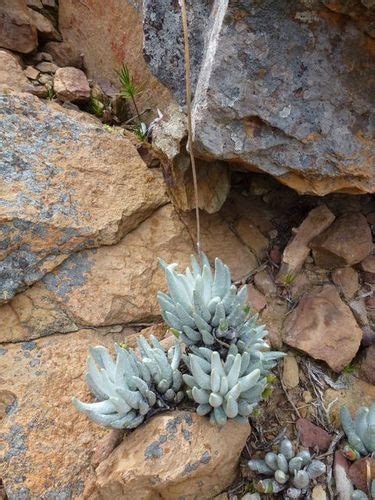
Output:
(223, 390)
(360, 433)
(287, 471)
(204, 309)
(131, 387)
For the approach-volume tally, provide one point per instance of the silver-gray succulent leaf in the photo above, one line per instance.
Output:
(205, 309)
(223, 390)
(288, 469)
(129, 387)
(360, 432)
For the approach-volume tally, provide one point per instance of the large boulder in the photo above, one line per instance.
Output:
(17, 30)
(46, 446)
(278, 91)
(323, 327)
(175, 455)
(164, 45)
(110, 285)
(119, 40)
(66, 184)
(12, 78)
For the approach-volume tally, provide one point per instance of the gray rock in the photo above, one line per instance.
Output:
(282, 87)
(163, 41)
(279, 88)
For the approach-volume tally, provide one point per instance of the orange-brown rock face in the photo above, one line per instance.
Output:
(45, 444)
(118, 40)
(175, 455)
(66, 184)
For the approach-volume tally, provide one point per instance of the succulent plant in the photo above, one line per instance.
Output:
(224, 390)
(127, 389)
(361, 495)
(286, 470)
(205, 309)
(360, 432)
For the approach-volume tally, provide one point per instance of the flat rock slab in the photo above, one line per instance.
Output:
(312, 436)
(323, 327)
(278, 91)
(174, 455)
(344, 243)
(65, 185)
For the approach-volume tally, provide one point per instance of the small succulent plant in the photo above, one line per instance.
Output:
(360, 433)
(286, 470)
(205, 309)
(127, 389)
(361, 495)
(224, 390)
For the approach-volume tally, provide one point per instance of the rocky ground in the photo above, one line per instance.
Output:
(86, 211)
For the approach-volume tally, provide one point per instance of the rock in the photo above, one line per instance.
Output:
(34, 4)
(219, 241)
(106, 286)
(47, 67)
(307, 397)
(45, 444)
(345, 243)
(46, 80)
(297, 250)
(273, 317)
(290, 371)
(176, 454)
(359, 310)
(169, 136)
(93, 189)
(265, 284)
(344, 486)
(318, 493)
(51, 4)
(43, 56)
(358, 473)
(45, 28)
(358, 393)
(368, 269)
(70, 84)
(106, 445)
(252, 237)
(31, 72)
(368, 336)
(271, 123)
(7, 400)
(162, 29)
(123, 43)
(12, 78)
(323, 327)
(256, 299)
(64, 54)
(312, 436)
(17, 31)
(367, 369)
(346, 280)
